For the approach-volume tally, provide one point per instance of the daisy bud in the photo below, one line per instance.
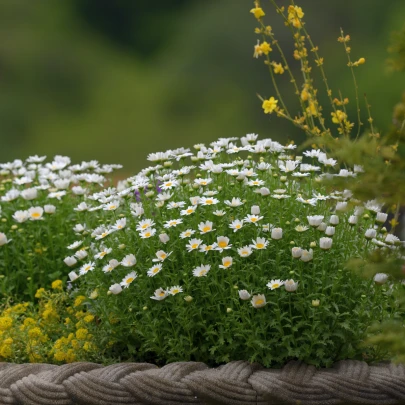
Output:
(341, 206)
(150, 194)
(49, 209)
(315, 303)
(255, 210)
(290, 285)
(366, 216)
(70, 261)
(164, 237)
(244, 295)
(322, 227)
(325, 243)
(381, 278)
(240, 177)
(264, 191)
(330, 230)
(115, 289)
(145, 308)
(189, 298)
(296, 252)
(283, 179)
(80, 254)
(353, 219)
(122, 246)
(93, 295)
(307, 255)
(312, 244)
(3, 239)
(315, 220)
(370, 234)
(334, 220)
(276, 233)
(381, 217)
(73, 276)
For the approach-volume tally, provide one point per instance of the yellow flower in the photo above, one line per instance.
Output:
(70, 356)
(88, 318)
(75, 344)
(35, 332)
(6, 351)
(278, 68)
(57, 285)
(40, 292)
(81, 333)
(29, 322)
(5, 322)
(79, 300)
(265, 47)
(257, 12)
(269, 105)
(59, 356)
(338, 116)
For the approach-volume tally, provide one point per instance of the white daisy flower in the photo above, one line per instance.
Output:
(301, 228)
(208, 201)
(175, 290)
(21, 216)
(190, 210)
(187, 233)
(259, 243)
(253, 183)
(203, 182)
(128, 260)
(160, 294)
(167, 185)
(193, 244)
(112, 264)
(223, 243)
(236, 202)
(115, 289)
(57, 194)
(258, 301)
(164, 196)
(201, 271)
(173, 222)
(86, 268)
(276, 233)
(226, 262)
(273, 284)
(195, 200)
(81, 207)
(253, 219)
(310, 201)
(145, 224)
(81, 254)
(112, 206)
(155, 269)
(245, 251)
(70, 261)
(290, 285)
(128, 279)
(205, 227)
(219, 213)
(171, 205)
(35, 213)
(236, 225)
(207, 248)
(103, 234)
(161, 256)
(29, 194)
(288, 166)
(244, 295)
(119, 224)
(76, 244)
(147, 233)
(315, 220)
(102, 253)
(49, 209)
(307, 255)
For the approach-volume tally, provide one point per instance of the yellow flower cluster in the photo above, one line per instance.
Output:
(38, 334)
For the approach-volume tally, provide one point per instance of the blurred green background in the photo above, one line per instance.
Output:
(116, 80)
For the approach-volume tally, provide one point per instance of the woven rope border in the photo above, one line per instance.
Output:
(236, 383)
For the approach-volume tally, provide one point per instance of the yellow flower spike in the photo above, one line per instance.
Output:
(265, 48)
(5, 323)
(269, 105)
(278, 68)
(40, 293)
(257, 12)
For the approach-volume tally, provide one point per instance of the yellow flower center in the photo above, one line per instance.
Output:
(222, 244)
(87, 268)
(163, 256)
(253, 219)
(129, 280)
(276, 285)
(194, 246)
(190, 211)
(206, 228)
(209, 247)
(102, 254)
(155, 270)
(35, 214)
(209, 202)
(202, 273)
(112, 207)
(144, 226)
(238, 226)
(168, 184)
(175, 291)
(260, 245)
(104, 234)
(227, 264)
(259, 302)
(161, 294)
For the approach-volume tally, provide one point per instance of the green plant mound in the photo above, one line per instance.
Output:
(235, 252)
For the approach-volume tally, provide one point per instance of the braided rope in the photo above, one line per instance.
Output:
(236, 383)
